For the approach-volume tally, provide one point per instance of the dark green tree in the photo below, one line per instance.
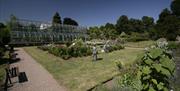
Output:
(107, 32)
(175, 7)
(4, 34)
(2, 26)
(148, 22)
(56, 19)
(109, 26)
(165, 13)
(32, 27)
(136, 25)
(122, 24)
(94, 32)
(69, 21)
(13, 23)
(168, 25)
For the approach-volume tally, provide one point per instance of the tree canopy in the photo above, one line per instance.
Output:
(4, 34)
(69, 21)
(122, 24)
(56, 19)
(147, 21)
(168, 25)
(175, 7)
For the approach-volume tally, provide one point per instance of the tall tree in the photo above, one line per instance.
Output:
(148, 22)
(13, 23)
(4, 34)
(122, 24)
(109, 26)
(165, 13)
(56, 18)
(136, 25)
(175, 7)
(167, 26)
(69, 21)
(94, 32)
(108, 31)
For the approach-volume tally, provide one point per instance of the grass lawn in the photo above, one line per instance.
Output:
(2, 74)
(3, 65)
(140, 44)
(80, 74)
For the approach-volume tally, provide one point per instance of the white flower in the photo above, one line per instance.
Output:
(102, 50)
(153, 46)
(146, 49)
(73, 44)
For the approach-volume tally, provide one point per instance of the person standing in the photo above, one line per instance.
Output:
(94, 53)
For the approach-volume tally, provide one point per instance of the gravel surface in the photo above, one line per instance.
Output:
(39, 79)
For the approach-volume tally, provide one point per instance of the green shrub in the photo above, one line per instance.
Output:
(127, 82)
(2, 51)
(68, 52)
(119, 65)
(156, 68)
(136, 39)
(173, 45)
(115, 47)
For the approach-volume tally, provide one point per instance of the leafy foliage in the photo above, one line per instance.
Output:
(77, 49)
(122, 24)
(175, 7)
(128, 81)
(173, 45)
(56, 19)
(4, 34)
(115, 47)
(69, 21)
(167, 25)
(107, 31)
(155, 69)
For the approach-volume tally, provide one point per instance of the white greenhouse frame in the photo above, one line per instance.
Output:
(32, 32)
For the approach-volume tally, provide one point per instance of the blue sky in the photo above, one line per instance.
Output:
(85, 12)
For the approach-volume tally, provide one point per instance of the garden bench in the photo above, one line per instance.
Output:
(10, 73)
(14, 72)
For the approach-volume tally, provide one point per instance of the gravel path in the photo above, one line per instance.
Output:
(39, 79)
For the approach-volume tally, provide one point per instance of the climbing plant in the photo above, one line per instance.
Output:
(156, 68)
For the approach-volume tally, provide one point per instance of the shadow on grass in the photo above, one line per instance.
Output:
(4, 61)
(14, 61)
(7, 60)
(98, 59)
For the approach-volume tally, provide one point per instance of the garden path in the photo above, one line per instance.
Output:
(39, 79)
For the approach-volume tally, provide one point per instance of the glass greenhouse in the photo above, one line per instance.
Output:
(35, 32)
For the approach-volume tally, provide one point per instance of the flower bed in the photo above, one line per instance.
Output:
(76, 49)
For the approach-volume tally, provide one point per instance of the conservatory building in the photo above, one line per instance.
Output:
(35, 32)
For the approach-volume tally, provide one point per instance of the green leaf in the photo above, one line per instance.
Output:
(146, 70)
(148, 61)
(154, 53)
(160, 86)
(168, 63)
(161, 83)
(145, 86)
(157, 67)
(146, 77)
(151, 89)
(165, 72)
(154, 81)
(139, 73)
(165, 89)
